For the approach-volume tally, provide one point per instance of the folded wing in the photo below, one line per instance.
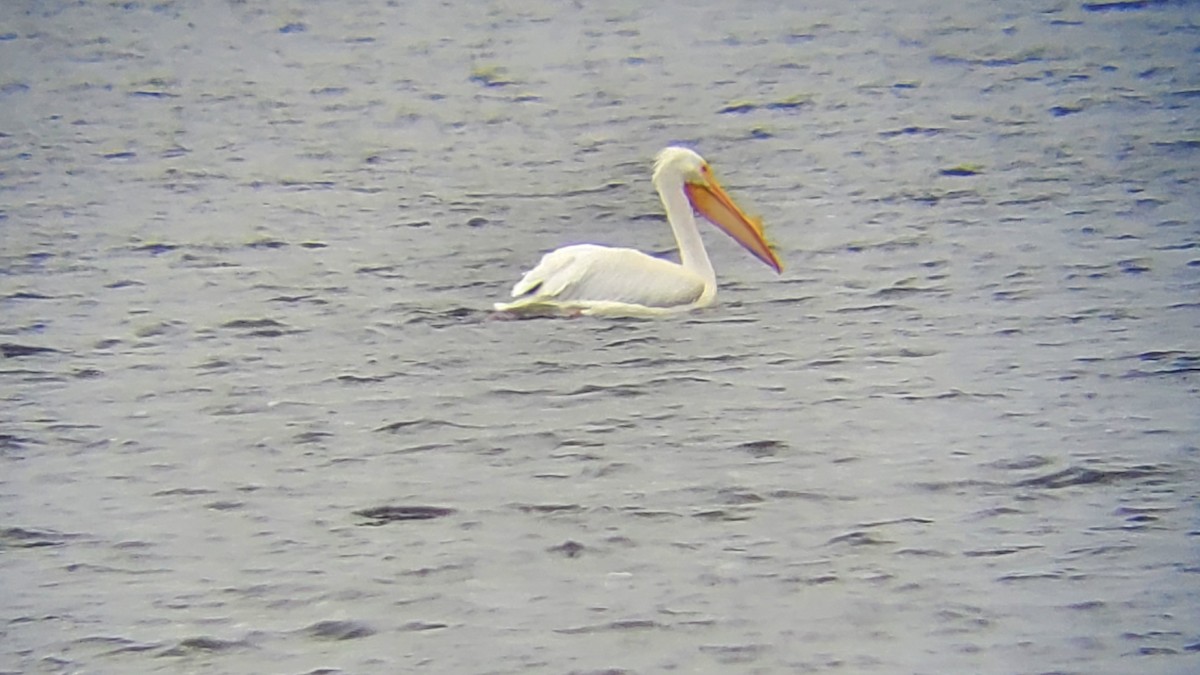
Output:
(576, 276)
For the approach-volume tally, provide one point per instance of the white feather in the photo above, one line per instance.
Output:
(579, 275)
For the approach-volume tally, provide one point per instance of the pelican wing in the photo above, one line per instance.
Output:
(577, 276)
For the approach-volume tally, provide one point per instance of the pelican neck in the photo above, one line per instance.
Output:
(692, 254)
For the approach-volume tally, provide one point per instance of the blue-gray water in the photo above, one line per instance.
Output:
(248, 254)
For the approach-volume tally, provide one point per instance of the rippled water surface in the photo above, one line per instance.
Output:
(258, 418)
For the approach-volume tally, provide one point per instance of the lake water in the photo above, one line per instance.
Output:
(258, 416)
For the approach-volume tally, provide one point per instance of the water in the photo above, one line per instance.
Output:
(258, 418)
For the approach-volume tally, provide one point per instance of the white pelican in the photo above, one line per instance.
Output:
(590, 279)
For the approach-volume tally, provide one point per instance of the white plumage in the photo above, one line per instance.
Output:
(591, 279)
(586, 272)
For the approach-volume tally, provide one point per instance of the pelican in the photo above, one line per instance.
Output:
(599, 280)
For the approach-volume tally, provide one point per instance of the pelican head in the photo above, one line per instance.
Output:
(676, 163)
(676, 167)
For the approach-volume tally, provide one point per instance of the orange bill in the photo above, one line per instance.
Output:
(711, 201)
